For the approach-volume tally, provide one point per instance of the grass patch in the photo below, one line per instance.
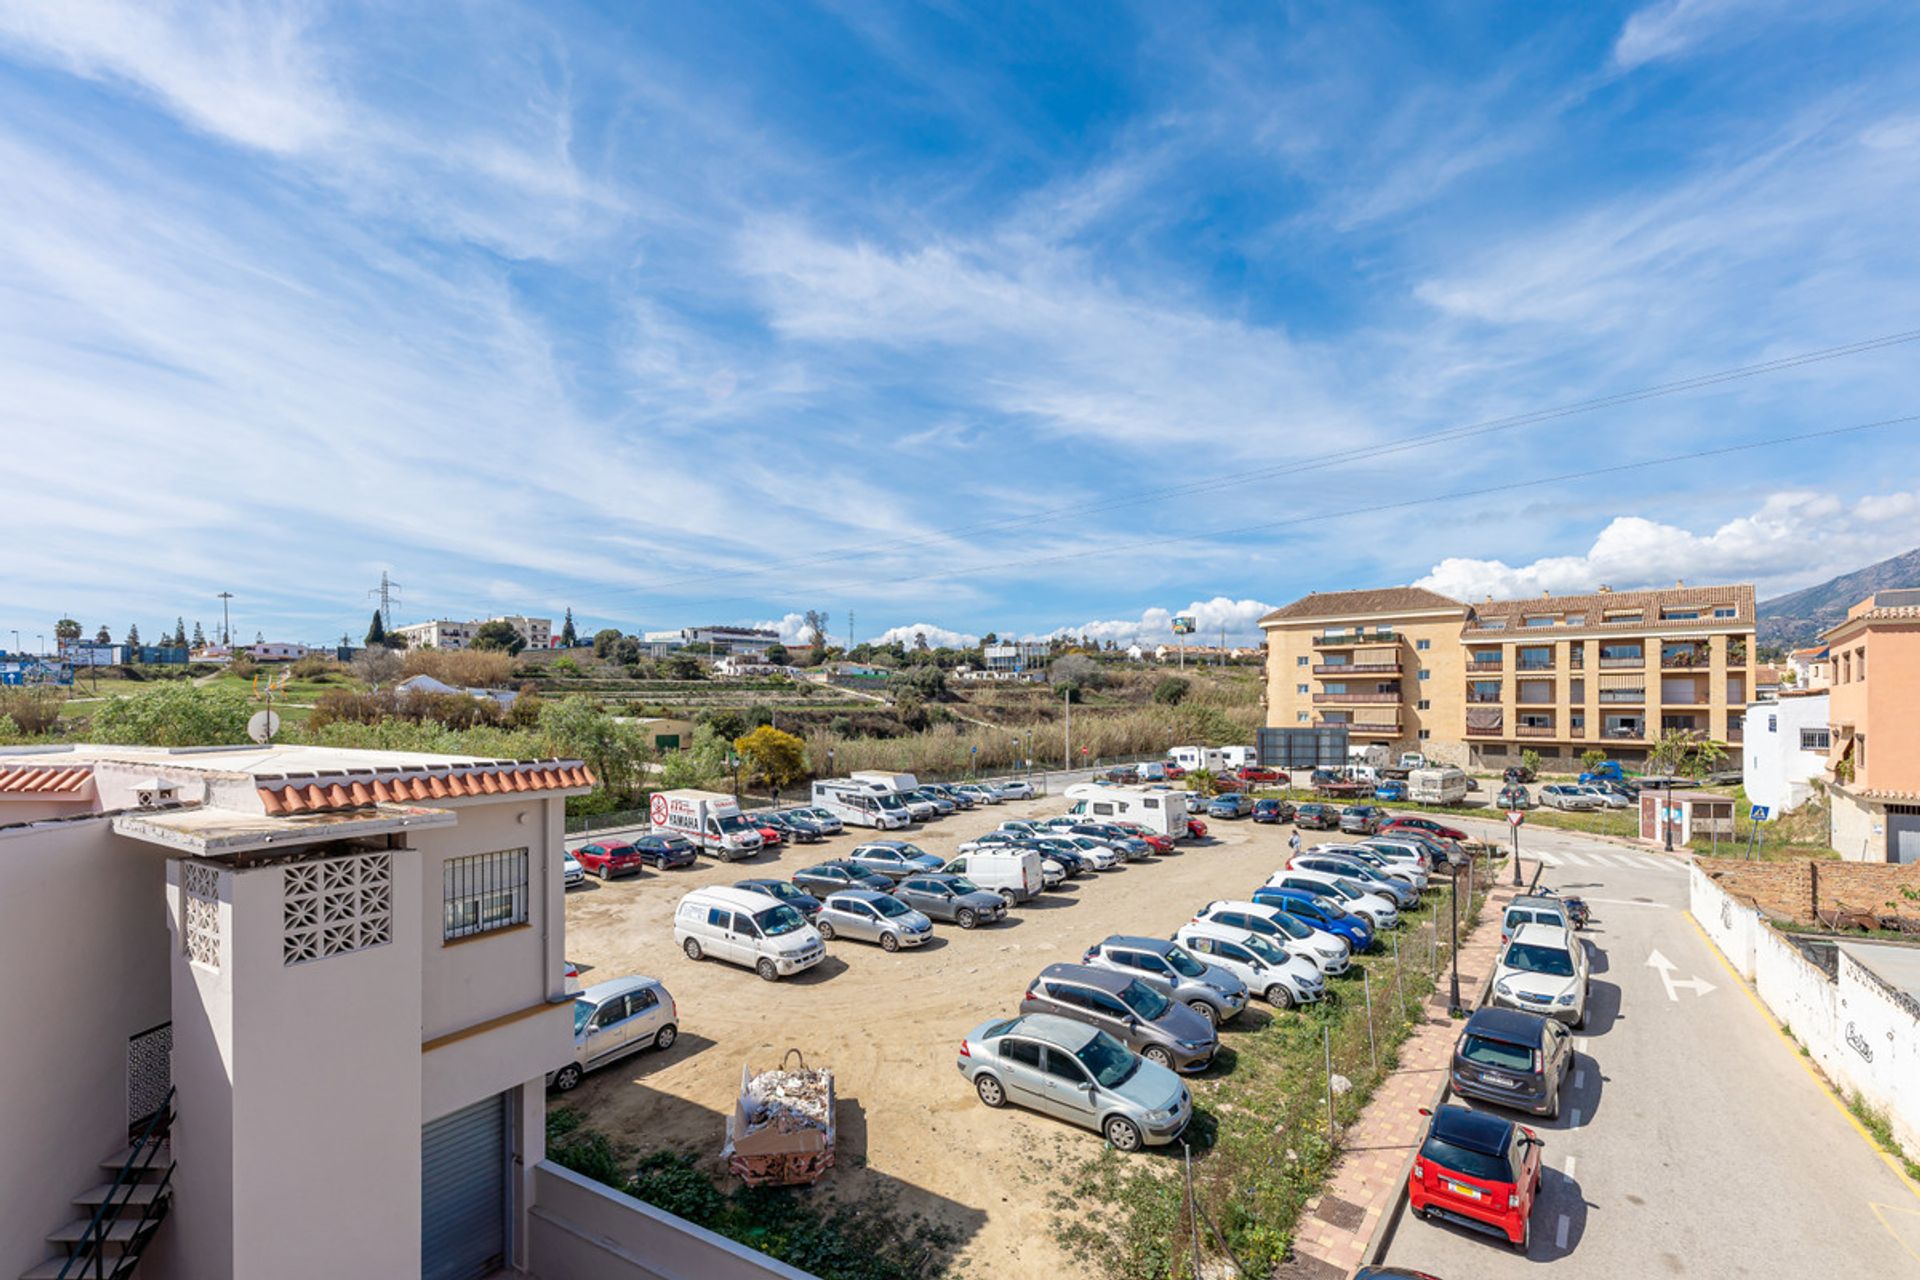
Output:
(1875, 1122)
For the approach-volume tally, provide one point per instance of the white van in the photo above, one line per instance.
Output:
(1011, 872)
(1445, 785)
(747, 928)
(859, 805)
(1161, 812)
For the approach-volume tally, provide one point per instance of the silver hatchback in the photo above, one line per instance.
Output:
(1070, 1070)
(872, 916)
(614, 1018)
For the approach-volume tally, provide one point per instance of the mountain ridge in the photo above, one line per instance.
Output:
(1797, 618)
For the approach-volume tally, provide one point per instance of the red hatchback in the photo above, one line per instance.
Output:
(1256, 773)
(769, 836)
(1479, 1171)
(1427, 825)
(609, 858)
(1196, 829)
(1155, 841)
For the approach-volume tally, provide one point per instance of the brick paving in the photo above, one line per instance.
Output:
(1378, 1146)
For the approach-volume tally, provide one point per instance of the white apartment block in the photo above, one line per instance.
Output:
(1786, 748)
(444, 633)
(319, 990)
(1014, 655)
(746, 641)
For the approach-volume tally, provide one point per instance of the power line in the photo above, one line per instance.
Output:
(1316, 462)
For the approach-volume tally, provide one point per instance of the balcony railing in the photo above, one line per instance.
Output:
(1485, 731)
(1690, 700)
(1479, 665)
(1684, 661)
(1368, 729)
(1736, 733)
(1534, 664)
(1392, 696)
(1489, 698)
(1356, 669)
(1534, 730)
(1624, 732)
(1330, 639)
(1623, 697)
(1606, 663)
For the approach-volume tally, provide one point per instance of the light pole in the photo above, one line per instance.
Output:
(1517, 882)
(226, 622)
(1066, 752)
(1666, 815)
(1453, 1000)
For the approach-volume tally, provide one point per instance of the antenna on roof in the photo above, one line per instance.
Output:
(387, 591)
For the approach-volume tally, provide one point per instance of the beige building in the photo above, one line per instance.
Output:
(1478, 684)
(1876, 794)
(443, 633)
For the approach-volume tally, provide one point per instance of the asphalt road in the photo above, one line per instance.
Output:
(1694, 1142)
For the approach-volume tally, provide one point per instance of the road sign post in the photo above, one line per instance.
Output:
(1514, 818)
(1755, 816)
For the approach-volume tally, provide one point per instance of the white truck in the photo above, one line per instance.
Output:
(859, 805)
(1444, 785)
(713, 822)
(1163, 812)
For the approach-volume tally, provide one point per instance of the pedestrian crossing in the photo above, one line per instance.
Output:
(1618, 859)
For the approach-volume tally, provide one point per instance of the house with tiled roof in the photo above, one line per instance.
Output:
(1874, 653)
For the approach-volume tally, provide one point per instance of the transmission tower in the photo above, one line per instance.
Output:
(387, 592)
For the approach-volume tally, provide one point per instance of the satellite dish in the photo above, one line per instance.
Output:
(263, 726)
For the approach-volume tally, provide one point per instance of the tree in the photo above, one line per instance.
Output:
(199, 636)
(815, 629)
(777, 654)
(376, 630)
(604, 640)
(103, 636)
(725, 723)
(66, 631)
(568, 636)
(133, 633)
(927, 680)
(179, 640)
(1686, 753)
(684, 666)
(1592, 758)
(990, 638)
(773, 756)
(627, 652)
(1171, 691)
(576, 726)
(499, 634)
(1530, 760)
(1074, 673)
(377, 664)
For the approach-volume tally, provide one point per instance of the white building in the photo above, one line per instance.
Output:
(1015, 656)
(1785, 749)
(335, 978)
(272, 651)
(443, 633)
(746, 641)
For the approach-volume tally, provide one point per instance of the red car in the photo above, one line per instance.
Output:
(1477, 1170)
(769, 836)
(609, 858)
(1255, 773)
(1427, 825)
(1157, 842)
(1174, 770)
(1196, 829)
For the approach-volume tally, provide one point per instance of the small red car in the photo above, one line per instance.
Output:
(1196, 828)
(1174, 770)
(1477, 1170)
(1428, 825)
(1155, 841)
(609, 858)
(1256, 773)
(769, 836)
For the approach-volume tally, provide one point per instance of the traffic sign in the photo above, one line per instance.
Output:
(1758, 813)
(1515, 817)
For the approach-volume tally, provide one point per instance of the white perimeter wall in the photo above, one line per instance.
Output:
(1861, 1037)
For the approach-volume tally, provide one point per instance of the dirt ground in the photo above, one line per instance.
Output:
(912, 1136)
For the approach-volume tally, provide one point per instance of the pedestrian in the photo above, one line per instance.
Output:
(1293, 842)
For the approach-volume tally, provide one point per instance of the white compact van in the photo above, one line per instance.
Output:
(747, 928)
(1011, 872)
(1161, 812)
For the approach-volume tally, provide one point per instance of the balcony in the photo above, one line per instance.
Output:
(1341, 639)
(1684, 660)
(1391, 697)
(1736, 733)
(1365, 729)
(1623, 697)
(1624, 733)
(1534, 664)
(1535, 731)
(1490, 699)
(1356, 669)
(1485, 731)
(1617, 664)
(1477, 666)
(1685, 700)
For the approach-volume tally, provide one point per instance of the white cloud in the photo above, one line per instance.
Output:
(937, 637)
(1793, 539)
(1241, 619)
(1672, 27)
(792, 628)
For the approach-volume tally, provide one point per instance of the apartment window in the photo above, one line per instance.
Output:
(1425, 734)
(1619, 619)
(1300, 688)
(1860, 661)
(1725, 612)
(1300, 716)
(1545, 621)
(1300, 661)
(1860, 753)
(1773, 726)
(1425, 674)
(1423, 705)
(1423, 645)
(484, 892)
(1814, 739)
(1578, 721)
(1680, 615)
(1576, 619)
(1493, 624)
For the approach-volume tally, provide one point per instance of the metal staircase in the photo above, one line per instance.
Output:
(121, 1213)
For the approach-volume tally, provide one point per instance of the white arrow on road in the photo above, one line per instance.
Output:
(1665, 966)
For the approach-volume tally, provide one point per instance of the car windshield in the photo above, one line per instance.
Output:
(1183, 964)
(736, 822)
(778, 889)
(1502, 1055)
(582, 1012)
(889, 800)
(1291, 927)
(1353, 887)
(912, 851)
(1474, 1164)
(1265, 949)
(1553, 962)
(1144, 1000)
(775, 921)
(960, 884)
(1110, 1062)
(890, 907)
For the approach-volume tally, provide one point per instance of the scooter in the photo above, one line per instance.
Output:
(1577, 911)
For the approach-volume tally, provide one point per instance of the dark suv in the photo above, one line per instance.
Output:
(1316, 817)
(1515, 1059)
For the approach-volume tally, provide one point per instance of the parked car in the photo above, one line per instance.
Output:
(1073, 860)
(1375, 907)
(571, 872)
(795, 830)
(1216, 994)
(871, 916)
(1016, 874)
(1152, 839)
(1196, 828)
(1517, 773)
(1531, 910)
(1543, 969)
(1316, 817)
(1065, 1068)
(771, 836)
(825, 819)
(1091, 850)
(831, 877)
(955, 899)
(1518, 1060)
(609, 858)
(1014, 789)
(1325, 913)
(1402, 881)
(942, 805)
(978, 794)
(1561, 795)
(1478, 1170)
(667, 851)
(799, 899)
(1515, 796)
(1606, 770)
(1151, 1024)
(1413, 822)
(1231, 805)
(1391, 791)
(747, 928)
(1125, 844)
(1325, 952)
(1281, 978)
(1607, 797)
(1362, 819)
(614, 1018)
(1272, 810)
(894, 859)
(960, 799)
(1257, 773)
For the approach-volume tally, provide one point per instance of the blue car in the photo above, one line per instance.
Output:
(1394, 792)
(1233, 805)
(1320, 913)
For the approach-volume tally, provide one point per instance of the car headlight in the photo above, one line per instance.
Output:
(1161, 1116)
(1566, 999)
(1331, 953)
(1502, 987)
(1193, 1045)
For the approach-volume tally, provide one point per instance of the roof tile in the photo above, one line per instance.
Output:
(1342, 604)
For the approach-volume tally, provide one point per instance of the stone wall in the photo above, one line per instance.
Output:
(1798, 888)
(1851, 828)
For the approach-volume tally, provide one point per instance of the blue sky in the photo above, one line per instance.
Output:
(680, 314)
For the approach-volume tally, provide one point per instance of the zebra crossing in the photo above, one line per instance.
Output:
(1617, 859)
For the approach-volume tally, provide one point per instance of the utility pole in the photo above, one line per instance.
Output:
(385, 593)
(849, 633)
(226, 622)
(1066, 750)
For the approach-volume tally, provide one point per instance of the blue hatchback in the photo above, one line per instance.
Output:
(1320, 913)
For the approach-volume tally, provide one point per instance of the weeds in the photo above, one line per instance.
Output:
(1874, 1120)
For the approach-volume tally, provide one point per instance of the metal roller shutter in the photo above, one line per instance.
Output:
(463, 1192)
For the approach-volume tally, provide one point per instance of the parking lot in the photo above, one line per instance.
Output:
(911, 1131)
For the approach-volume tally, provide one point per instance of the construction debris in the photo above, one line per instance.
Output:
(782, 1130)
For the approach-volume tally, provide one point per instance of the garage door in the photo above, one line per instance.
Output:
(463, 1192)
(1903, 833)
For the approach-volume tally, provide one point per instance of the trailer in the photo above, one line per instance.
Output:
(781, 1131)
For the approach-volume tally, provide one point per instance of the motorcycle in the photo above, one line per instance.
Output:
(1577, 911)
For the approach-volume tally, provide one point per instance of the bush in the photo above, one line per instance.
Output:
(1171, 691)
(33, 711)
(1592, 758)
(466, 668)
(315, 666)
(174, 715)
(244, 667)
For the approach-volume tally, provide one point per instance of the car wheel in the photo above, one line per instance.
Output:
(1580, 1023)
(1525, 1241)
(692, 948)
(966, 919)
(1154, 1053)
(1205, 1010)
(1553, 1107)
(889, 943)
(1124, 1134)
(567, 1077)
(990, 1091)
(604, 872)
(665, 1036)
(769, 970)
(825, 929)
(1279, 997)
(1011, 901)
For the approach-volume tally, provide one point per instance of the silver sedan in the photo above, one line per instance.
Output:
(872, 916)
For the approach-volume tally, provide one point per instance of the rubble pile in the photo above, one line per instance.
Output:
(788, 1100)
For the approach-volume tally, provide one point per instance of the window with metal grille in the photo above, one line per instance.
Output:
(485, 891)
(1813, 739)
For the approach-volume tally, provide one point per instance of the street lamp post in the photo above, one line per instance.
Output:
(1453, 999)
(1666, 815)
(1066, 753)
(1516, 854)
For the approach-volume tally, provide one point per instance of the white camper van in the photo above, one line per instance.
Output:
(859, 805)
(1445, 785)
(713, 822)
(1239, 757)
(1163, 812)
(1191, 758)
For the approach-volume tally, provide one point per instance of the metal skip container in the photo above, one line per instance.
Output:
(782, 1128)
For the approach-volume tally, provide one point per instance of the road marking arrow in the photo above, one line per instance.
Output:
(1673, 984)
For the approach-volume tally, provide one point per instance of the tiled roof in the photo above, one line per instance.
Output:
(310, 793)
(60, 779)
(1597, 604)
(1341, 604)
(1903, 613)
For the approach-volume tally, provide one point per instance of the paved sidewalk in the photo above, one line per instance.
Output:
(1339, 1228)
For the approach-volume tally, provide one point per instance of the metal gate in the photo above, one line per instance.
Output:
(463, 1192)
(1903, 833)
(149, 1072)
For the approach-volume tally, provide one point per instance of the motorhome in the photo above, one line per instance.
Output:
(1239, 757)
(876, 780)
(1191, 758)
(1437, 786)
(860, 805)
(713, 822)
(1162, 812)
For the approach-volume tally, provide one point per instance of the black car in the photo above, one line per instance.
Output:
(1513, 1058)
(666, 851)
(799, 899)
(795, 830)
(1316, 817)
(832, 877)
(1518, 773)
(1070, 859)
(1271, 810)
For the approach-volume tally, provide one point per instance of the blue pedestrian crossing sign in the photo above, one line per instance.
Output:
(1758, 813)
